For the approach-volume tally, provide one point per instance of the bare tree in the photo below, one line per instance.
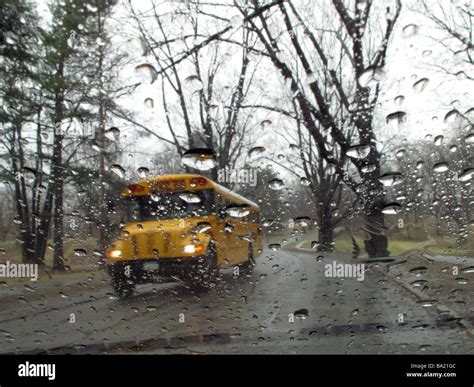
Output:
(454, 23)
(365, 59)
(208, 96)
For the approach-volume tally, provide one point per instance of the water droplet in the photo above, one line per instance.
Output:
(194, 83)
(419, 283)
(11, 38)
(79, 253)
(255, 151)
(368, 168)
(274, 246)
(440, 167)
(203, 227)
(469, 269)
(113, 133)
(265, 124)
(91, 7)
(149, 103)
(409, 30)
(396, 119)
(438, 141)
(118, 170)
(466, 175)
(427, 303)
(276, 184)
(451, 116)
(301, 314)
(72, 41)
(354, 312)
(29, 288)
(392, 209)
(146, 72)
(238, 211)
(267, 222)
(190, 197)
(461, 75)
(304, 181)
(399, 99)
(469, 138)
(462, 281)
(143, 172)
(370, 76)
(200, 158)
(420, 85)
(391, 179)
(418, 271)
(303, 221)
(358, 151)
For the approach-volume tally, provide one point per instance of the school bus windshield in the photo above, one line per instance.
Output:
(170, 205)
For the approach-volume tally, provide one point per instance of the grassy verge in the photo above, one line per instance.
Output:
(77, 266)
(443, 246)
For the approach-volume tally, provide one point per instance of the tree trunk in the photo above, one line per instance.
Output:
(377, 243)
(58, 180)
(325, 229)
(58, 213)
(101, 133)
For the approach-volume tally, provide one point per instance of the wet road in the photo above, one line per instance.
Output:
(241, 315)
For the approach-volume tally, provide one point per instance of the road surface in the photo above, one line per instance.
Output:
(262, 314)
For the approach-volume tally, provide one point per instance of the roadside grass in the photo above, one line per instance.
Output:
(76, 266)
(416, 234)
(441, 246)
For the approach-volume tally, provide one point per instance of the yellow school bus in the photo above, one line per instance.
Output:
(183, 225)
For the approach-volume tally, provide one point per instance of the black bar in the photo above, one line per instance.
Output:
(323, 370)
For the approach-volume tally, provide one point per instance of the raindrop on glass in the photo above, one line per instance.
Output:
(440, 167)
(358, 151)
(391, 179)
(118, 170)
(255, 151)
(409, 30)
(200, 158)
(146, 72)
(420, 85)
(276, 184)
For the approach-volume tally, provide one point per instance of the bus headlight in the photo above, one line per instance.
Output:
(193, 249)
(114, 253)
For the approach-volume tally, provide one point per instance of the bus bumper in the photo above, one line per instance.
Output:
(145, 269)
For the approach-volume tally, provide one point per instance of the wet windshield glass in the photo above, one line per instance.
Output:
(348, 123)
(170, 205)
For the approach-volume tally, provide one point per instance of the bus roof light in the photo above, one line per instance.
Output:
(135, 188)
(198, 181)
